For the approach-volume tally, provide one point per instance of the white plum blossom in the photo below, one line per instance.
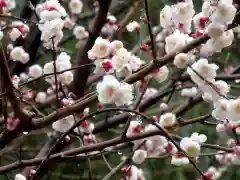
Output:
(233, 108)
(122, 58)
(175, 41)
(163, 107)
(23, 76)
(19, 54)
(116, 45)
(160, 74)
(207, 9)
(133, 173)
(192, 148)
(204, 71)
(139, 156)
(181, 60)
(182, 12)
(100, 49)
(76, 6)
(123, 95)
(215, 89)
(51, 29)
(66, 77)
(189, 92)
(220, 109)
(179, 161)
(110, 90)
(214, 30)
(167, 120)
(15, 81)
(80, 32)
(133, 26)
(35, 71)
(48, 68)
(51, 23)
(68, 23)
(20, 177)
(106, 89)
(50, 10)
(41, 97)
(14, 34)
(63, 62)
(166, 17)
(224, 13)
(200, 138)
(64, 124)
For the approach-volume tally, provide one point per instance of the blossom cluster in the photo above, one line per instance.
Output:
(158, 145)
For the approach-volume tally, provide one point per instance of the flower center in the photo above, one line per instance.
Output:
(75, 4)
(238, 108)
(167, 122)
(102, 47)
(191, 150)
(223, 107)
(118, 46)
(110, 91)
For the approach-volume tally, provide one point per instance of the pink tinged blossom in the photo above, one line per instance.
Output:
(88, 139)
(86, 111)
(28, 94)
(65, 102)
(15, 81)
(68, 23)
(14, 34)
(134, 128)
(107, 65)
(41, 97)
(133, 26)
(161, 74)
(85, 127)
(12, 123)
(179, 160)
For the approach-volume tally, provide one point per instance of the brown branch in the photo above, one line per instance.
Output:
(81, 76)
(7, 136)
(94, 147)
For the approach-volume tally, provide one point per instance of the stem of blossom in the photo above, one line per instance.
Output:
(179, 148)
(210, 84)
(18, 18)
(55, 72)
(174, 86)
(114, 170)
(136, 106)
(150, 31)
